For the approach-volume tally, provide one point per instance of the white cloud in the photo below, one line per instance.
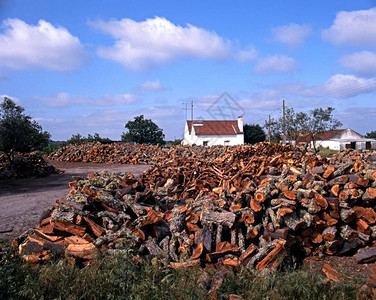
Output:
(265, 100)
(355, 118)
(50, 121)
(354, 27)
(276, 64)
(14, 99)
(292, 34)
(346, 86)
(44, 46)
(362, 63)
(140, 45)
(247, 55)
(337, 86)
(110, 123)
(294, 88)
(65, 99)
(155, 85)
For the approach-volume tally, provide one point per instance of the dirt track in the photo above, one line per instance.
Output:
(22, 201)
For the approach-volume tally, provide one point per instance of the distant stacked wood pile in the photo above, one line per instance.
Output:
(25, 165)
(250, 207)
(120, 153)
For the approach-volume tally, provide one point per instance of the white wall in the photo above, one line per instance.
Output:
(340, 145)
(334, 145)
(349, 134)
(219, 140)
(190, 139)
(346, 137)
(359, 145)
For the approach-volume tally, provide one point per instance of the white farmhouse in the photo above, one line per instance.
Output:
(210, 133)
(338, 139)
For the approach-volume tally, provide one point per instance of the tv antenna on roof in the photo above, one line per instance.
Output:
(186, 110)
(192, 110)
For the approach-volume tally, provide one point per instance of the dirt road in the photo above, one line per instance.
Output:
(22, 201)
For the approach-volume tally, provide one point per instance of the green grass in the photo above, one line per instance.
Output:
(52, 147)
(118, 277)
(326, 152)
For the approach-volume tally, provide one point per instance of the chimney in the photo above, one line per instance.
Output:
(240, 123)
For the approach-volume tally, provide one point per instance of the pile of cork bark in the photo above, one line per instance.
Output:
(105, 153)
(121, 153)
(251, 206)
(25, 165)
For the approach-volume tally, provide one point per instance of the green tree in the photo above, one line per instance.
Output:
(319, 120)
(253, 134)
(176, 142)
(18, 132)
(77, 139)
(97, 138)
(371, 135)
(295, 124)
(143, 131)
(273, 129)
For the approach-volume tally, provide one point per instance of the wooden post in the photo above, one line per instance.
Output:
(284, 122)
(192, 110)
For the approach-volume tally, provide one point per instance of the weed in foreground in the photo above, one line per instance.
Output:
(119, 277)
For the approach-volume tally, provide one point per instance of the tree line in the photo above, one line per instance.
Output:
(19, 133)
(294, 124)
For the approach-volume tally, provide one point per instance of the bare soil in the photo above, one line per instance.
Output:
(23, 201)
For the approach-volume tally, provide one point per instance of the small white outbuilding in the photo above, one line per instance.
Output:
(210, 133)
(338, 139)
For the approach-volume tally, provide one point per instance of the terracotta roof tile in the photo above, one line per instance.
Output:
(321, 136)
(214, 127)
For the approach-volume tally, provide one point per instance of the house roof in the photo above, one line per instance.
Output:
(226, 127)
(321, 136)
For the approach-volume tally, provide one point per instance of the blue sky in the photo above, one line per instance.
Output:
(91, 66)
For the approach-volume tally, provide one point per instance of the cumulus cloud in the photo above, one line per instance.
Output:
(65, 99)
(276, 64)
(346, 86)
(362, 63)
(292, 34)
(353, 27)
(140, 45)
(44, 46)
(155, 85)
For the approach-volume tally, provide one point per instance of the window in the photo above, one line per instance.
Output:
(205, 143)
